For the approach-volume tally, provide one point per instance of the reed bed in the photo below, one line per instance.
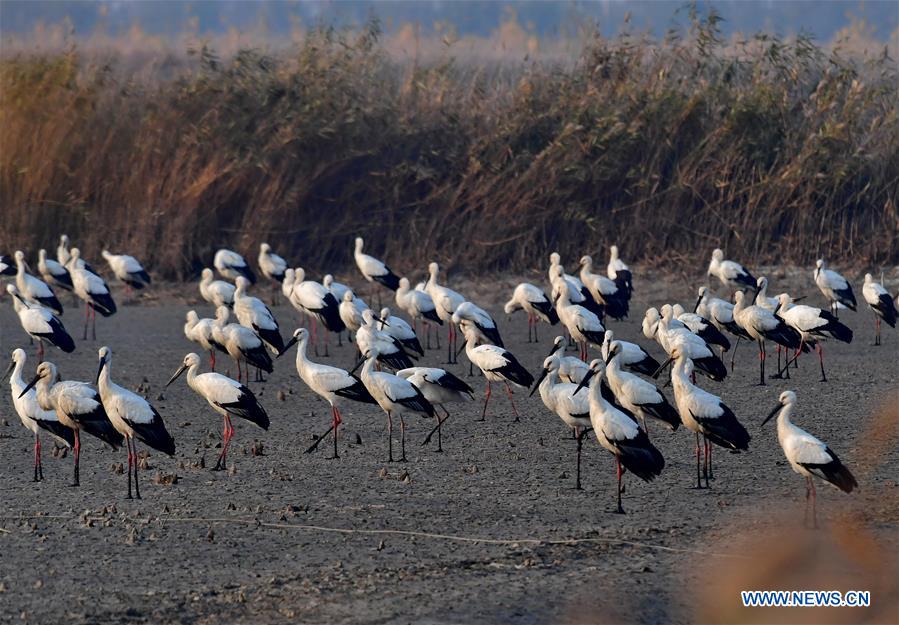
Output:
(776, 150)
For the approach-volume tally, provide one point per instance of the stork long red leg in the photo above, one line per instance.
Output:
(37, 456)
(821, 359)
(620, 472)
(130, 463)
(389, 438)
(512, 401)
(77, 454)
(486, 400)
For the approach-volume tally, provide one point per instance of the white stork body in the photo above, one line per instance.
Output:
(535, 303)
(373, 269)
(445, 301)
(419, 305)
(604, 290)
(481, 321)
(34, 289)
(32, 415)
(583, 326)
(880, 303)
(133, 417)
(703, 413)
(642, 398)
(669, 332)
(440, 387)
(350, 313)
(52, 272)
(216, 292)
(620, 434)
(253, 314)
(317, 302)
(719, 312)
(835, 288)
(92, 290)
(761, 297)
(496, 363)
(701, 327)
(577, 292)
(570, 369)
(77, 406)
(332, 384)
(394, 395)
(371, 339)
(40, 324)
(227, 397)
(630, 355)
(232, 266)
(731, 274)
(400, 330)
(241, 343)
(201, 332)
(127, 269)
(559, 397)
(761, 324)
(813, 325)
(619, 272)
(270, 264)
(808, 456)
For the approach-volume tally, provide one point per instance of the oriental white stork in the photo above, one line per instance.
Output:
(216, 292)
(496, 363)
(630, 355)
(535, 303)
(835, 288)
(332, 384)
(241, 343)
(374, 270)
(419, 306)
(813, 325)
(702, 413)
(52, 272)
(232, 265)
(619, 272)
(127, 269)
(92, 290)
(253, 314)
(394, 395)
(880, 303)
(604, 290)
(40, 324)
(440, 387)
(401, 331)
(77, 406)
(226, 396)
(762, 325)
(808, 456)
(445, 301)
(32, 415)
(730, 273)
(640, 397)
(34, 289)
(133, 417)
(620, 434)
(559, 397)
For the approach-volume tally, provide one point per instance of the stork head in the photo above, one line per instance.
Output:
(596, 370)
(19, 256)
(613, 252)
(45, 371)
(787, 398)
(299, 274)
(359, 244)
(221, 314)
(300, 335)
(550, 365)
(385, 313)
(190, 360)
(717, 255)
(555, 259)
(64, 240)
(265, 248)
(558, 342)
(404, 284)
(433, 268)
(105, 254)
(761, 282)
(614, 350)
(241, 283)
(192, 317)
(18, 357)
(348, 296)
(586, 261)
(104, 356)
(75, 253)
(327, 281)
(738, 298)
(42, 255)
(869, 278)
(206, 275)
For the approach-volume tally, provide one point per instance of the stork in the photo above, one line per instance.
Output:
(332, 384)
(813, 326)
(40, 324)
(253, 314)
(640, 397)
(133, 417)
(216, 292)
(200, 331)
(419, 305)
(620, 434)
(401, 331)
(53, 273)
(583, 326)
(445, 301)
(604, 290)
(92, 290)
(226, 396)
(762, 325)
(835, 288)
(730, 273)
(241, 343)
(77, 406)
(127, 269)
(808, 456)
(535, 303)
(440, 387)
(619, 272)
(34, 289)
(374, 270)
(32, 415)
(232, 266)
(496, 363)
(630, 355)
(394, 395)
(880, 303)
(559, 397)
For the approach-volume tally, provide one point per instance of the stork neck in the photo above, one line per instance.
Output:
(104, 381)
(15, 378)
(367, 368)
(784, 424)
(192, 375)
(302, 360)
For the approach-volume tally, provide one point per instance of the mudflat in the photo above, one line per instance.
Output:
(489, 531)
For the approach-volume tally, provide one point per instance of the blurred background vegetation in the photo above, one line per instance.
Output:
(776, 148)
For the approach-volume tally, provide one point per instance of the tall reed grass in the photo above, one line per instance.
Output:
(775, 150)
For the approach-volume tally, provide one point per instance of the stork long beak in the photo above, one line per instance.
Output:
(30, 385)
(771, 414)
(555, 347)
(696, 305)
(461, 348)
(799, 299)
(100, 370)
(661, 368)
(176, 375)
(543, 375)
(358, 364)
(9, 369)
(19, 297)
(293, 341)
(584, 382)
(612, 354)
(379, 320)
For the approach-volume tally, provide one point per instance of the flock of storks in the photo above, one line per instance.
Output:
(613, 396)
